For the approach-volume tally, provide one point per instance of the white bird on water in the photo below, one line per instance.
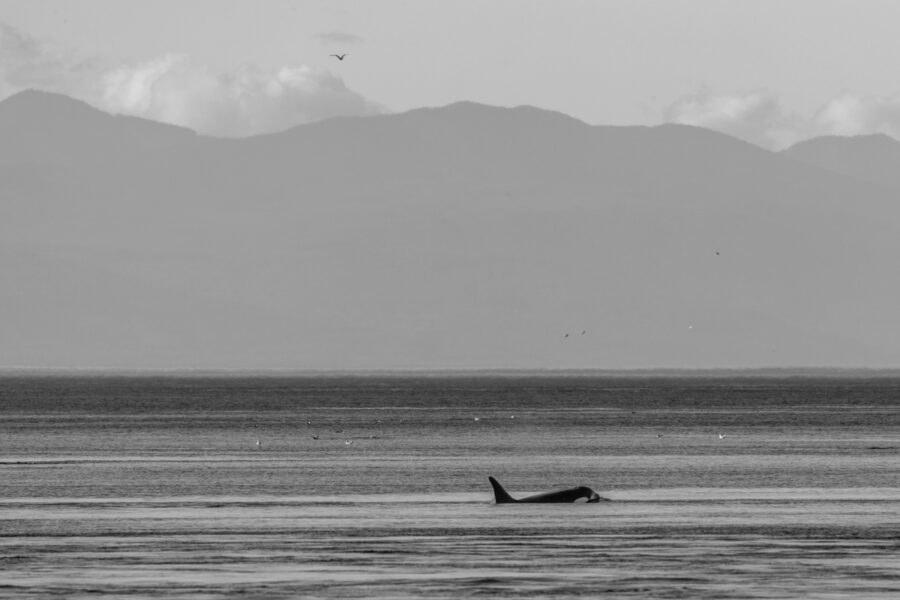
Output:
(721, 436)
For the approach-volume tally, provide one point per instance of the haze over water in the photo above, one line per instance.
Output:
(367, 486)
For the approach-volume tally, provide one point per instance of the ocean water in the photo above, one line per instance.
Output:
(376, 487)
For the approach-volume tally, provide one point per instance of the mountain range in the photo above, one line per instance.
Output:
(466, 236)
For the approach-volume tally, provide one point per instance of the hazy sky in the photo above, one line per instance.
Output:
(770, 71)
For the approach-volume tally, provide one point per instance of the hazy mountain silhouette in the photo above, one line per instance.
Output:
(43, 127)
(462, 236)
(872, 158)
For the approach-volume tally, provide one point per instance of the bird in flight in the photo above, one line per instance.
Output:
(339, 56)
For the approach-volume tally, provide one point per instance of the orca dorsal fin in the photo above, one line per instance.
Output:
(500, 495)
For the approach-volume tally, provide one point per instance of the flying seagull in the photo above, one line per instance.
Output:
(339, 56)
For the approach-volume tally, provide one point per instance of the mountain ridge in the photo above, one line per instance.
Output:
(51, 103)
(415, 241)
(874, 158)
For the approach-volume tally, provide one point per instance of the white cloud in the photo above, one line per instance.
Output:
(852, 114)
(174, 89)
(758, 117)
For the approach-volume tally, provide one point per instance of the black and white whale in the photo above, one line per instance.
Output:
(578, 494)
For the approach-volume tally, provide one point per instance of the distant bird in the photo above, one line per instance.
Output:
(477, 419)
(348, 442)
(565, 336)
(339, 56)
(721, 436)
(258, 445)
(717, 253)
(658, 435)
(315, 437)
(583, 331)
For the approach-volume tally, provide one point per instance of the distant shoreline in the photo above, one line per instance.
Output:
(712, 373)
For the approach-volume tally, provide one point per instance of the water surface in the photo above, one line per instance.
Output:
(377, 487)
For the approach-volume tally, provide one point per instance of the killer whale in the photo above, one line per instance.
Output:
(578, 494)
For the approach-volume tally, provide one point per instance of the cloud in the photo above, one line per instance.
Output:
(338, 37)
(175, 89)
(758, 117)
(853, 114)
(755, 116)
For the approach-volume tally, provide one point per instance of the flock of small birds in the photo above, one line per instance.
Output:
(258, 443)
(348, 442)
(583, 331)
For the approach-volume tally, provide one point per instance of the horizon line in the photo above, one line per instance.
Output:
(762, 372)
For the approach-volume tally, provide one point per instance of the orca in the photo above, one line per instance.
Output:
(578, 494)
